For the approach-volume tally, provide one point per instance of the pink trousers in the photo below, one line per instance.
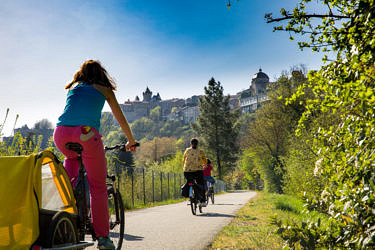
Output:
(93, 158)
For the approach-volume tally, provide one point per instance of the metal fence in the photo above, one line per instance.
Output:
(142, 186)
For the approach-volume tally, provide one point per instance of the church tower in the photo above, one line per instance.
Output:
(147, 95)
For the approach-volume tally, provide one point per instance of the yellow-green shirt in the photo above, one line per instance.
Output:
(194, 159)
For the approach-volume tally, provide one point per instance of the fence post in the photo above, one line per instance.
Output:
(153, 189)
(161, 186)
(168, 189)
(144, 186)
(133, 186)
(174, 181)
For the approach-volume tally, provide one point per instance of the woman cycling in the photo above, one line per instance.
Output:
(207, 173)
(194, 159)
(80, 122)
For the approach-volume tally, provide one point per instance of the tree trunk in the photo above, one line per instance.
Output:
(219, 165)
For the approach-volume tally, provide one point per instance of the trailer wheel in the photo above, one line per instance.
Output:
(62, 231)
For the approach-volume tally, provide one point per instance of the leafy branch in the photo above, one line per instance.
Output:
(269, 18)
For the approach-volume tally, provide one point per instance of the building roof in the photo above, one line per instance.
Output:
(148, 91)
(260, 75)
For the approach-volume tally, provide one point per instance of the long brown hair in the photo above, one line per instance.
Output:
(92, 72)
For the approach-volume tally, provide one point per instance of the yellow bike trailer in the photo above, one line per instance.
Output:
(37, 203)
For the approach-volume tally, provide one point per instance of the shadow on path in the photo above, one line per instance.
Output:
(216, 215)
(238, 191)
(227, 204)
(130, 237)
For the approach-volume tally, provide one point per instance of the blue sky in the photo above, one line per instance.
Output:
(173, 47)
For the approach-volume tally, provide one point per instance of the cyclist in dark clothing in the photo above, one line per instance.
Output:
(194, 162)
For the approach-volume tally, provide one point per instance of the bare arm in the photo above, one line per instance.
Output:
(214, 172)
(117, 112)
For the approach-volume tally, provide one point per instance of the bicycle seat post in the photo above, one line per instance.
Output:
(76, 147)
(81, 204)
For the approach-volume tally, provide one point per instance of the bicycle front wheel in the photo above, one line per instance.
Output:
(116, 218)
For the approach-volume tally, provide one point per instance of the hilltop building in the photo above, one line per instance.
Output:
(187, 110)
(137, 109)
(252, 98)
(185, 114)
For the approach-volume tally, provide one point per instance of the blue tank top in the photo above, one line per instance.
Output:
(84, 106)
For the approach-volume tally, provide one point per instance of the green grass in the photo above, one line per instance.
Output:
(251, 228)
(287, 203)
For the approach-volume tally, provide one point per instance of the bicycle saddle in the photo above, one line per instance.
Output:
(76, 147)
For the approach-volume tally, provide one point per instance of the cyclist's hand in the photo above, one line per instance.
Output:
(131, 146)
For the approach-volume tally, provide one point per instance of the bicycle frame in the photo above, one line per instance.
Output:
(190, 189)
(82, 202)
(81, 195)
(210, 191)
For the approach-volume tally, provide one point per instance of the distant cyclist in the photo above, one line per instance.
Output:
(207, 173)
(194, 162)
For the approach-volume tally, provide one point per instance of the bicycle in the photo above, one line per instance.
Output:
(210, 192)
(194, 200)
(115, 202)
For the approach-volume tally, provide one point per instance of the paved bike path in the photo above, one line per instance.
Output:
(175, 227)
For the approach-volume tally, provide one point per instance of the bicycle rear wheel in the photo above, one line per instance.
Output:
(193, 203)
(212, 198)
(193, 206)
(116, 218)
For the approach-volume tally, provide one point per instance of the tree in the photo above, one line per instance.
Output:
(243, 124)
(269, 135)
(172, 128)
(108, 124)
(143, 128)
(43, 124)
(155, 150)
(155, 114)
(344, 86)
(216, 127)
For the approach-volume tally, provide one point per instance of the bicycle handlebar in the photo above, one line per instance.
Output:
(120, 146)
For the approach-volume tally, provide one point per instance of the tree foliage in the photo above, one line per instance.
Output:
(344, 86)
(269, 135)
(155, 114)
(156, 150)
(148, 128)
(216, 127)
(43, 124)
